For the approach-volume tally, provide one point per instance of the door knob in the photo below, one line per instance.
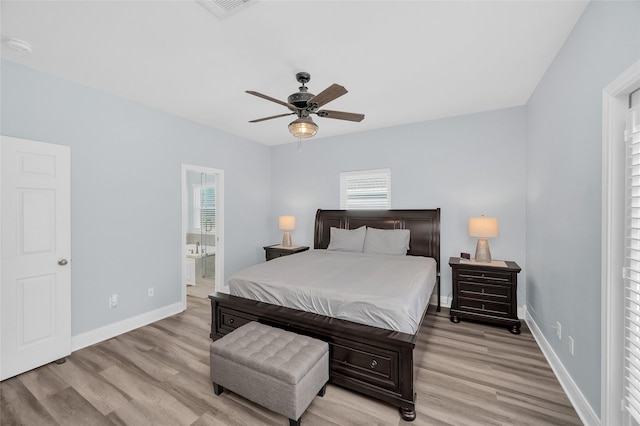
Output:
(62, 262)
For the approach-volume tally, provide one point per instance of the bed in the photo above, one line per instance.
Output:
(374, 360)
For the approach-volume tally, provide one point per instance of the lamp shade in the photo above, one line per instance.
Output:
(303, 128)
(483, 227)
(287, 222)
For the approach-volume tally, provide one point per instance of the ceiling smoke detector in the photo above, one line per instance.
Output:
(225, 8)
(19, 45)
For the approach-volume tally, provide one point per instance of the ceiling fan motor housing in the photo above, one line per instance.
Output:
(300, 99)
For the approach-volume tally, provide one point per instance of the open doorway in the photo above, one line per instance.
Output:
(202, 230)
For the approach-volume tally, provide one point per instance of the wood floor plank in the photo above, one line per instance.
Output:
(208, 419)
(140, 412)
(540, 412)
(95, 358)
(466, 374)
(121, 348)
(144, 391)
(104, 396)
(18, 406)
(43, 382)
(69, 408)
(340, 406)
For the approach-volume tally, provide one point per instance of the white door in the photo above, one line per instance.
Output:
(35, 286)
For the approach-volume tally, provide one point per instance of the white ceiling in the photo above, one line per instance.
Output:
(402, 61)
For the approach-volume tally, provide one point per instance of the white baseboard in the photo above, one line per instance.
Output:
(445, 301)
(112, 330)
(580, 403)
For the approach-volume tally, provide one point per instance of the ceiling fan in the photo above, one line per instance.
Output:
(303, 104)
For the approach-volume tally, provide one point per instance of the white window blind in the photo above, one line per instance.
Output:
(632, 267)
(204, 208)
(365, 189)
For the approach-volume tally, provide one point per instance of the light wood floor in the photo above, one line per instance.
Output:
(468, 374)
(200, 290)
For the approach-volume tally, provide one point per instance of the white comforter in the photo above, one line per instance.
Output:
(389, 292)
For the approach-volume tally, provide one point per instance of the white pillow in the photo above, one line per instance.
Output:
(387, 241)
(347, 239)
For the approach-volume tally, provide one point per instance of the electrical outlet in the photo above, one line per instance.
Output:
(571, 345)
(113, 301)
(150, 292)
(558, 330)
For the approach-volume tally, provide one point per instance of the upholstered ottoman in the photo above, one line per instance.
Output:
(277, 369)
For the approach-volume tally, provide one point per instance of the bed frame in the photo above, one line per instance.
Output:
(366, 359)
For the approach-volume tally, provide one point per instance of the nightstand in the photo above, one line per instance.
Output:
(278, 250)
(485, 292)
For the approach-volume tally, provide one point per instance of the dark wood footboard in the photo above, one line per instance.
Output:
(365, 359)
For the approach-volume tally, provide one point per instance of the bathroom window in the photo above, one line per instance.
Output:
(204, 207)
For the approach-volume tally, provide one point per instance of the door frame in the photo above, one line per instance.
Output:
(219, 257)
(614, 112)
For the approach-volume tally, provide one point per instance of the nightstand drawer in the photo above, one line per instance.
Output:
(484, 307)
(275, 254)
(484, 276)
(485, 291)
(277, 250)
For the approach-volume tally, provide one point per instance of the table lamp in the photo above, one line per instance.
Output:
(287, 223)
(483, 228)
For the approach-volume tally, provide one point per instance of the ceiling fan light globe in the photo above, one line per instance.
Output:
(303, 128)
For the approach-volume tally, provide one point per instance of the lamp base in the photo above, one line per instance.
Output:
(286, 239)
(483, 254)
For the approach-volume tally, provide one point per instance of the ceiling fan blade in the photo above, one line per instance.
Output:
(327, 95)
(340, 115)
(269, 98)
(257, 120)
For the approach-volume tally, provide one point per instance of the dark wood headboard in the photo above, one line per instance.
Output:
(423, 224)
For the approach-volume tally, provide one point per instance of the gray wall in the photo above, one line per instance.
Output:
(125, 190)
(467, 166)
(564, 135)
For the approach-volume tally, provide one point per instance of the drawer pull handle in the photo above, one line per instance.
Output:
(483, 290)
(483, 306)
(374, 363)
(231, 321)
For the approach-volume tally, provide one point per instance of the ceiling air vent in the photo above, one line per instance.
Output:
(224, 8)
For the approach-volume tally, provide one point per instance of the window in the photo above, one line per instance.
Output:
(631, 380)
(204, 208)
(365, 189)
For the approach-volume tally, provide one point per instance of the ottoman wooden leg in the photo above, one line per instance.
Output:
(217, 389)
(294, 422)
(322, 391)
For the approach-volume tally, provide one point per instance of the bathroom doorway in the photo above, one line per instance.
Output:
(202, 230)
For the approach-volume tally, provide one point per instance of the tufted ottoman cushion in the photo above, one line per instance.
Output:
(277, 369)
